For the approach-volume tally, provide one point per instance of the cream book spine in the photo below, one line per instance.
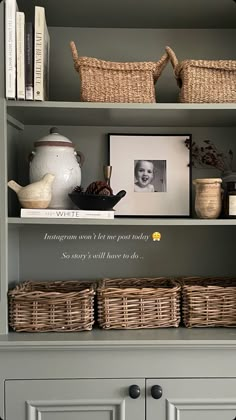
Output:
(20, 55)
(68, 214)
(10, 48)
(41, 55)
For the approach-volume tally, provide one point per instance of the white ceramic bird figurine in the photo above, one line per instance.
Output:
(36, 195)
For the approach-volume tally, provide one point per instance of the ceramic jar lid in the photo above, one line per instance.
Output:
(54, 139)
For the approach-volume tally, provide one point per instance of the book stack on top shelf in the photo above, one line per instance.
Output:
(27, 50)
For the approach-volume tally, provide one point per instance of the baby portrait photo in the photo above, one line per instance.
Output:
(157, 165)
(149, 175)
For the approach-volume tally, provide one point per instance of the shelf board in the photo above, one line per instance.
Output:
(162, 338)
(133, 115)
(135, 14)
(122, 221)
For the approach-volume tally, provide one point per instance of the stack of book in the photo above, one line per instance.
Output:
(27, 49)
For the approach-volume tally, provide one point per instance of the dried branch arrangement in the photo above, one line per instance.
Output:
(209, 155)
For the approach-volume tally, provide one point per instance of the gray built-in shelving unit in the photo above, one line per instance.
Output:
(125, 31)
(49, 375)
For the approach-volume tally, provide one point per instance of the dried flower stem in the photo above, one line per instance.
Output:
(209, 155)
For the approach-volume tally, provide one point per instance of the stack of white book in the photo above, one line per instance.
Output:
(27, 50)
(69, 214)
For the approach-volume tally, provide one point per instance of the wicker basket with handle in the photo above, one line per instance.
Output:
(107, 81)
(52, 306)
(205, 81)
(135, 303)
(209, 301)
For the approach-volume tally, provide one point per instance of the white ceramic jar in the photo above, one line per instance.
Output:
(55, 154)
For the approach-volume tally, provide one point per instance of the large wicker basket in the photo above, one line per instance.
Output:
(134, 303)
(106, 81)
(52, 306)
(209, 302)
(204, 81)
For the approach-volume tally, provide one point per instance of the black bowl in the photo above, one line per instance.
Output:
(86, 201)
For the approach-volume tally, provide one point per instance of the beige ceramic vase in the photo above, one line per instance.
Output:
(208, 200)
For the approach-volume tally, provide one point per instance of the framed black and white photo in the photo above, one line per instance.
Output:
(155, 172)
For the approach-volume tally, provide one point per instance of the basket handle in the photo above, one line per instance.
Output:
(161, 64)
(172, 56)
(75, 54)
(175, 64)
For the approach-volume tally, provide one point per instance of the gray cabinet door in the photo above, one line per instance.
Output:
(192, 399)
(83, 399)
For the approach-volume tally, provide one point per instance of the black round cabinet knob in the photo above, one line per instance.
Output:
(134, 391)
(156, 392)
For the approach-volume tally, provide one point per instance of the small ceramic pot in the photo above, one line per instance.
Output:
(56, 154)
(208, 199)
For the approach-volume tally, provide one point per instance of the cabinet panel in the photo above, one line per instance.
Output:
(192, 399)
(73, 399)
(2, 48)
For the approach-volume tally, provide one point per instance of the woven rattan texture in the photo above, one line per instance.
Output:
(209, 302)
(52, 306)
(203, 81)
(134, 303)
(106, 81)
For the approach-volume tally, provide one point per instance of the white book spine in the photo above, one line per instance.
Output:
(67, 214)
(20, 54)
(10, 48)
(39, 41)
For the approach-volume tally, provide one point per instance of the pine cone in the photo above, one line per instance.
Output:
(78, 189)
(99, 188)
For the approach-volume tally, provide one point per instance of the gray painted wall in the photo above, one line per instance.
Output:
(81, 252)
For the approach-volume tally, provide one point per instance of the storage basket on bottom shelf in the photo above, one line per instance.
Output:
(205, 81)
(52, 306)
(134, 303)
(107, 81)
(209, 302)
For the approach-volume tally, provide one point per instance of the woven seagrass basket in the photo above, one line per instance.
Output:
(209, 302)
(107, 81)
(135, 303)
(52, 306)
(204, 81)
